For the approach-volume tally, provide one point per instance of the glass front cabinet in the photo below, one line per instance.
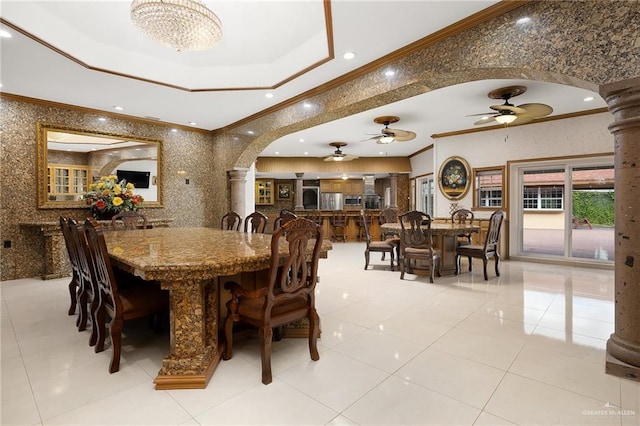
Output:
(264, 192)
(67, 182)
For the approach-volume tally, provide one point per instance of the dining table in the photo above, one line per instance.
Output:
(445, 239)
(189, 263)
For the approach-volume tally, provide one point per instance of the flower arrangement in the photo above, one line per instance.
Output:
(108, 196)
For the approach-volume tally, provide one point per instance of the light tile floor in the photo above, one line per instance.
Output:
(525, 348)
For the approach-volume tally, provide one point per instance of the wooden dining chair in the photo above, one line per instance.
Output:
(87, 293)
(81, 276)
(73, 261)
(416, 244)
(490, 247)
(374, 246)
(288, 293)
(255, 223)
(129, 219)
(462, 217)
(231, 221)
(389, 215)
(284, 217)
(120, 305)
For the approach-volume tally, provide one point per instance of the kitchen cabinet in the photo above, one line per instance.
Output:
(264, 192)
(353, 187)
(331, 185)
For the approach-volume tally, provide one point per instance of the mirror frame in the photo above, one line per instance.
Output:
(42, 128)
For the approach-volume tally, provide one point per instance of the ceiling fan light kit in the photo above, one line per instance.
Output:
(338, 155)
(508, 113)
(506, 118)
(388, 135)
(183, 25)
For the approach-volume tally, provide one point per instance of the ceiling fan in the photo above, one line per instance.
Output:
(338, 155)
(388, 135)
(508, 113)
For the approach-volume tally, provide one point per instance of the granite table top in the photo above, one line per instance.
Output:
(437, 228)
(192, 253)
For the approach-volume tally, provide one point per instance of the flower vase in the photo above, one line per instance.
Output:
(103, 214)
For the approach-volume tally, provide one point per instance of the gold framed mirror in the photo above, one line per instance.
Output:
(70, 159)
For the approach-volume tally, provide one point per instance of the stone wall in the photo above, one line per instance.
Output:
(195, 204)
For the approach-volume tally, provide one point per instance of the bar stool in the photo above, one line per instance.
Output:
(338, 227)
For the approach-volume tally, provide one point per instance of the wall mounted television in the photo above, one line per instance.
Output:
(139, 179)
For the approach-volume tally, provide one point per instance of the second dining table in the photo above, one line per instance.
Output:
(188, 262)
(444, 238)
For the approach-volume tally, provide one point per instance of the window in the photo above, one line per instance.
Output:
(488, 188)
(542, 197)
(543, 189)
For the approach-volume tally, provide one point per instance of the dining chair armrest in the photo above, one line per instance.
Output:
(237, 290)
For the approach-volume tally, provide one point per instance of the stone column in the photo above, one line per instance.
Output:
(238, 180)
(623, 347)
(394, 191)
(299, 203)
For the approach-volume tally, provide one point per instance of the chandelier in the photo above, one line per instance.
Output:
(179, 24)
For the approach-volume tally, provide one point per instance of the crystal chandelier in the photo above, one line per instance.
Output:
(180, 24)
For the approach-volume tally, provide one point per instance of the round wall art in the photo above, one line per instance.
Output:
(454, 178)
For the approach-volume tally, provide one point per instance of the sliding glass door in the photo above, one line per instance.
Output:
(564, 209)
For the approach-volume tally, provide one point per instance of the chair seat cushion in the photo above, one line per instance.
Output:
(254, 308)
(420, 251)
(380, 245)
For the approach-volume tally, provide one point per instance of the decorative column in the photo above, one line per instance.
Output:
(394, 191)
(238, 180)
(299, 202)
(623, 347)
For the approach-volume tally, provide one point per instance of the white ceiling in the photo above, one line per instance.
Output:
(265, 42)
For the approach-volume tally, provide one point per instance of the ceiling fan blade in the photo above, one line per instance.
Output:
(349, 157)
(482, 114)
(403, 136)
(487, 120)
(511, 108)
(536, 110)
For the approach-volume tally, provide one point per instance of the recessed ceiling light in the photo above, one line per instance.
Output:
(118, 108)
(277, 153)
(102, 119)
(588, 99)
(174, 130)
(268, 95)
(193, 123)
(306, 153)
(381, 152)
(349, 55)
(250, 132)
(523, 20)
(5, 34)
(301, 140)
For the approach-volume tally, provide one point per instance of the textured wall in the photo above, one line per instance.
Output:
(195, 204)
